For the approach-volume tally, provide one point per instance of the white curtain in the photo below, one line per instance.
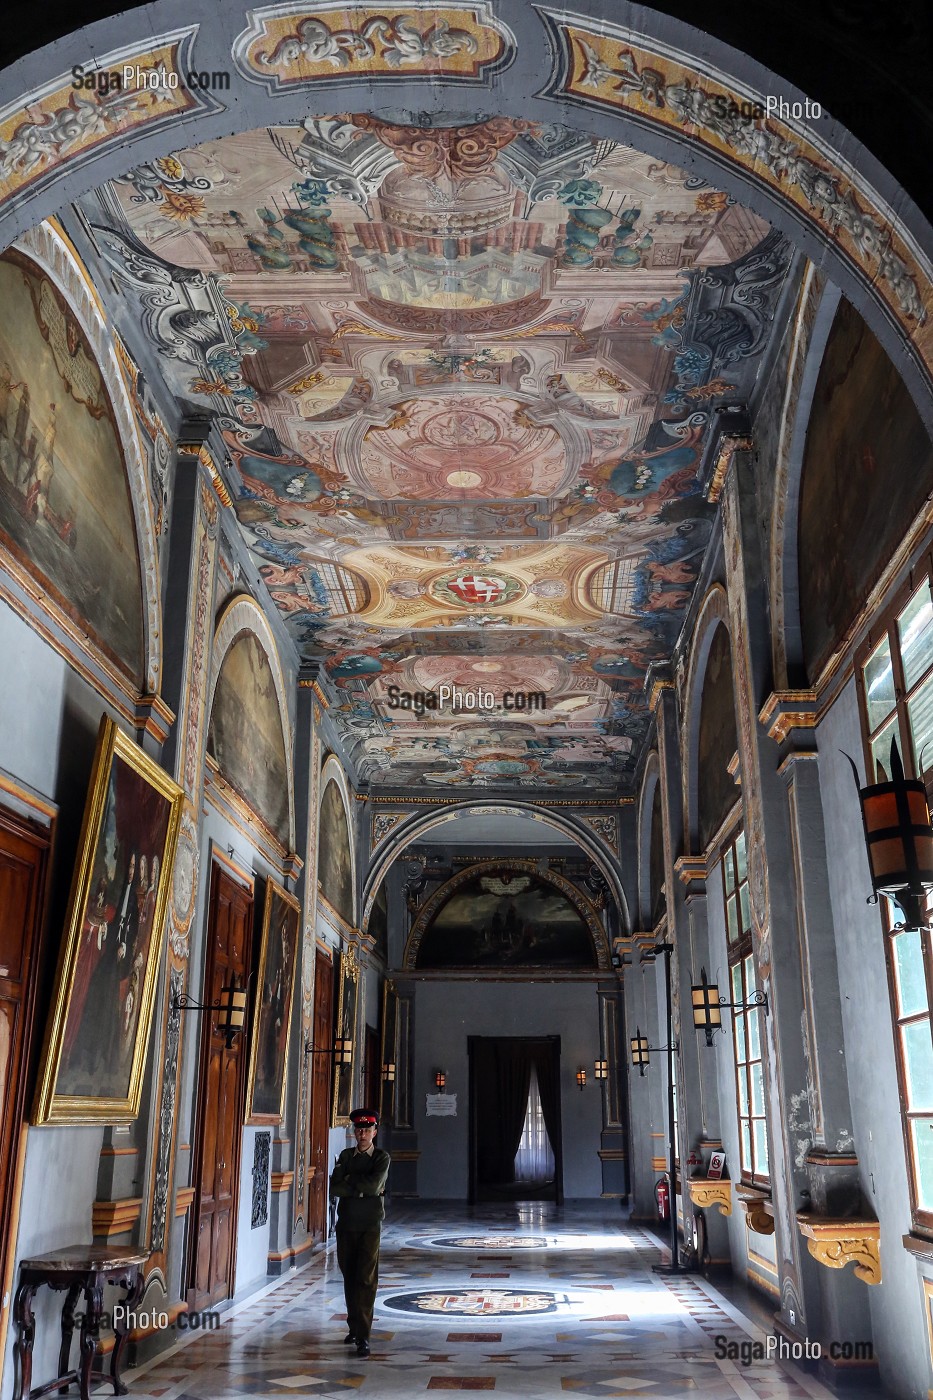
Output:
(534, 1160)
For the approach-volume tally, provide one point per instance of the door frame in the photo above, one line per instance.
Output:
(39, 832)
(315, 1103)
(553, 1041)
(219, 863)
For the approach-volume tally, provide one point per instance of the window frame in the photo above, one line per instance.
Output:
(741, 956)
(886, 627)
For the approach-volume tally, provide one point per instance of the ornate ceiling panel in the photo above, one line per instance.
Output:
(466, 378)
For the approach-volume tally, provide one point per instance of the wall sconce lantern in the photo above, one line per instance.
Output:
(440, 1080)
(899, 837)
(641, 1051)
(601, 1069)
(707, 1005)
(581, 1077)
(342, 1051)
(231, 1009)
(388, 1072)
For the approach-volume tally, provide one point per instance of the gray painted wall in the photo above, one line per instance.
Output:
(446, 1012)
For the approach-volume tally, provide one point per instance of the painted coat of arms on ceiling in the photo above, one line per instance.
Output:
(466, 377)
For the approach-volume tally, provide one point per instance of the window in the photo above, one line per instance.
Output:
(896, 673)
(749, 1061)
(534, 1160)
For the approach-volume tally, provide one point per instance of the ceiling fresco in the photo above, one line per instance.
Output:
(465, 378)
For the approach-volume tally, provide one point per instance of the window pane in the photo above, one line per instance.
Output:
(921, 1135)
(879, 684)
(756, 1074)
(743, 1094)
(908, 973)
(920, 714)
(754, 1034)
(761, 1146)
(728, 870)
(881, 751)
(916, 635)
(746, 913)
(733, 920)
(746, 1148)
(740, 855)
(740, 1055)
(736, 974)
(917, 1044)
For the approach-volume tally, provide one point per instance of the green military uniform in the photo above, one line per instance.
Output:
(358, 1184)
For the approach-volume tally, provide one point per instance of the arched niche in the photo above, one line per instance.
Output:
(336, 855)
(650, 826)
(865, 474)
(249, 732)
(491, 916)
(68, 440)
(704, 741)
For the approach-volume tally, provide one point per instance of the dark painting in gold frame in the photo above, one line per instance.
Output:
(268, 1065)
(98, 1029)
(347, 1000)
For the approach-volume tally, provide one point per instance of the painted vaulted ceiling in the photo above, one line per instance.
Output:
(466, 378)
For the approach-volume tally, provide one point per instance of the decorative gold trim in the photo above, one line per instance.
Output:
(734, 769)
(282, 1181)
(243, 877)
(28, 797)
(655, 690)
(611, 1154)
(757, 1209)
(659, 1164)
(836, 1242)
(707, 1194)
(115, 1217)
(785, 710)
(691, 870)
(731, 444)
(200, 451)
(411, 1156)
(184, 1199)
(277, 1256)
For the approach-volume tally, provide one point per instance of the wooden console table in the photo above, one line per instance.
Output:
(81, 1268)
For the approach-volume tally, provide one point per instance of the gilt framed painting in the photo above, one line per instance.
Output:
(97, 1035)
(278, 959)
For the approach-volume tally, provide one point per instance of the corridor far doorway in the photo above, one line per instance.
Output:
(515, 1121)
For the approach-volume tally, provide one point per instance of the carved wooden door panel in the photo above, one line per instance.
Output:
(319, 1167)
(221, 1099)
(23, 857)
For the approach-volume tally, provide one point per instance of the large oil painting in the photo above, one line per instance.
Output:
(60, 456)
(273, 1013)
(868, 468)
(334, 870)
(245, 735)
(718, 740)
(98, 1030)
(504, 919)
(347, 1001)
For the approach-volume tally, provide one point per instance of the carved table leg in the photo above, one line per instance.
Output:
(68, 1327)
(134, 1291)
(26, 1327)
(90, 1333)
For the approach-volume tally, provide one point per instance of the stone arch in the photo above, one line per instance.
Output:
(436, 901)
(418, 824)
(332, 772)
(242, 615)
(658, 87)
(713, 613)
(651, 777)
(53, 254)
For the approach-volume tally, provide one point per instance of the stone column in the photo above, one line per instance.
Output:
(647, 1106)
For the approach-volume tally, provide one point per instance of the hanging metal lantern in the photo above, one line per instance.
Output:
(899, 837)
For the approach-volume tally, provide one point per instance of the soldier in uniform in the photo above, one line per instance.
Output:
(358, 1184)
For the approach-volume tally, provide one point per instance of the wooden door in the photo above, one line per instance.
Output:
(23, 857)
(221, 1100)
(318, 1166)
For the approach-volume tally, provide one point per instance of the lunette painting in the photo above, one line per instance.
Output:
(245, 734)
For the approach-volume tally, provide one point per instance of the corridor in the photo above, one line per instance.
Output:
(526, 1301)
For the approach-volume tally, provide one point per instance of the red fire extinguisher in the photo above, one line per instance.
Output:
(662, 1194)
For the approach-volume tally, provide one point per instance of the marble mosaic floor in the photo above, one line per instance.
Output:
(521, 1300)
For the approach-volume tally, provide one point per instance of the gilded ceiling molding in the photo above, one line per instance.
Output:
(550, 877)
(292, 45)
(243, 614)
(604, 65)
(61, 123)
(56, 257)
